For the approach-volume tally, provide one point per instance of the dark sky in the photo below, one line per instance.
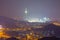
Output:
(36, 8)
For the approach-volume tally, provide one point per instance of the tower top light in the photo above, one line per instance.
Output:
(26, 11)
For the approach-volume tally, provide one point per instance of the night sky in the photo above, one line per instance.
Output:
(36, 8)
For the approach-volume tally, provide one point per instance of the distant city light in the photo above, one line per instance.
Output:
(41, 20)
(0, 26)
(33, 20)
(38, 20)
(46, 19)
(56, 23)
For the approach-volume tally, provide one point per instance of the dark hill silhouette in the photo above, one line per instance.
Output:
(8, 22)
(52, 27)
(6, 19)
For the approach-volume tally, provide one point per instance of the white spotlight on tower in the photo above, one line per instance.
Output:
(26, 14)
(26, 11)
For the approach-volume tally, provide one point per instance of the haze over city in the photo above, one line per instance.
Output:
(36, 8)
